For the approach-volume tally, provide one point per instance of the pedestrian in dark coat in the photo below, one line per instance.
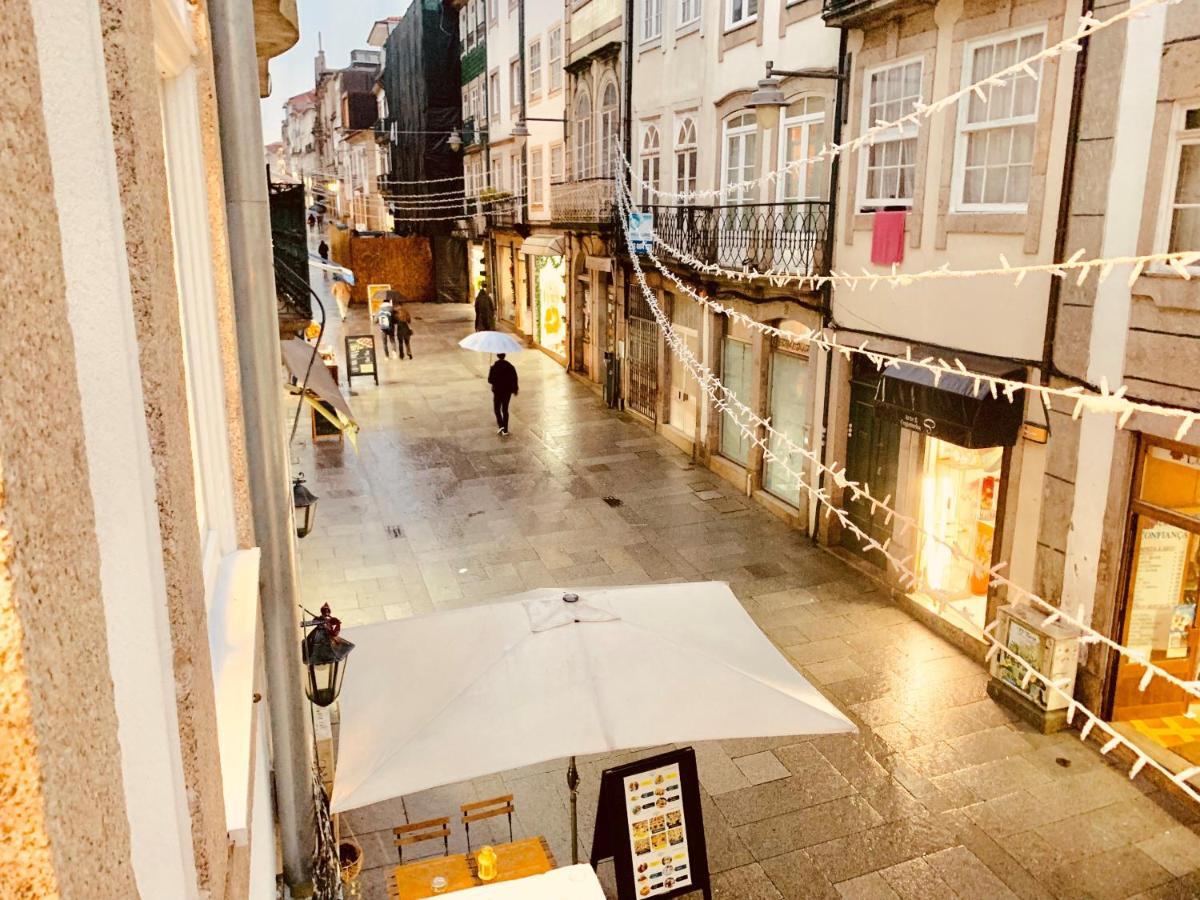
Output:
(485, 311)
(503, 379)
(323, 251)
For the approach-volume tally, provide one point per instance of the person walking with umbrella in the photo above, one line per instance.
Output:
(485, 311)
(503, 378)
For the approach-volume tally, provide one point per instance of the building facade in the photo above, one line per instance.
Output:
(708, 136)
(1119, 535)
(300, 160)
(135, 749)
(967, 468)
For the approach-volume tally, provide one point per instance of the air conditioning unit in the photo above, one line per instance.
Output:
(1049, 648)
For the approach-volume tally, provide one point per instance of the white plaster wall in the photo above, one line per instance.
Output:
(79, 129)
(985, 315)
(681, 73)
(540, 19)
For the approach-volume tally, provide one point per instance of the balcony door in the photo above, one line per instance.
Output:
(799, 229)
(739, 163)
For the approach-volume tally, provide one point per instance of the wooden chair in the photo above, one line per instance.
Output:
(487, 809)
(429, 830)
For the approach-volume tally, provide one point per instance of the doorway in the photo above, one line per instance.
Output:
(872, 457)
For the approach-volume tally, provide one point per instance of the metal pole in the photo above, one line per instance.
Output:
(249, 224)
(573, 786)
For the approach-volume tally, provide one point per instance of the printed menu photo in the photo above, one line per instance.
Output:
(657, 831)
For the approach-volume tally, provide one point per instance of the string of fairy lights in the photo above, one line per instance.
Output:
(757, 430)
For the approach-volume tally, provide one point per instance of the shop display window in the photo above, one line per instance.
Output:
(790, 413)
(550, 294)
(960, 490)
(1162, 587)
(736, 372)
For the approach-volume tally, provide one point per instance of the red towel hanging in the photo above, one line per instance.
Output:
(887, 238)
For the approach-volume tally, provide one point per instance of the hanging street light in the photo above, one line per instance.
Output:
(454, 141)
(324, 653)
(304, 501)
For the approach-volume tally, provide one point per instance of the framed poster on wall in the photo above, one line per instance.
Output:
(650, 822)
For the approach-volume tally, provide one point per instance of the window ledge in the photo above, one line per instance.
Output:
(687, 28)
(985, 222)
(233, 645)
(654, 43)
(745, 23)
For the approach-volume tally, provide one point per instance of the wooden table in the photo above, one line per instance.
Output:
(519, 859)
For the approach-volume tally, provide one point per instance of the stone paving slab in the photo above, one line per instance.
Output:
(942, 794)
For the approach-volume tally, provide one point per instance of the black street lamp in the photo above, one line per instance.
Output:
(305, 501)
(324, 653)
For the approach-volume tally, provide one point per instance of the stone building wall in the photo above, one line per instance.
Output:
(63, 825)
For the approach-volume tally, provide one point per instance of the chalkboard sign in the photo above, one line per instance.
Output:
(360, 357)
(650, 822)
(322, 428)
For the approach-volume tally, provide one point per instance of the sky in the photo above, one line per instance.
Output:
(343, 26)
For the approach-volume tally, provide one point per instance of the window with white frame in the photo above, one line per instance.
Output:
(803, 137)
(494, 105)
(518, 177)
(689, 11)
(993, 158)
(462, 30)
(537, 191)
(493, 13)
(582, 136)
(514, 84)
(651, 144)
(469, 41)
(557, 174)
(610, 129)
(740, 12)
(555, 60)
(480, 22)
(740, 157)
(685, 159)
(651, 19)
(498, 172)
(1179, 227)
(535, 68)
(889, 165)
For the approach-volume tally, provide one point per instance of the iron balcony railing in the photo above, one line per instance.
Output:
(582, 201)
(504, 212)
(789, 236)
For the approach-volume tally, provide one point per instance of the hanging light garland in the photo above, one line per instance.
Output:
(749, 423)
(1177, 261)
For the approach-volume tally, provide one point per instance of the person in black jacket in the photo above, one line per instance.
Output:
(503, 379)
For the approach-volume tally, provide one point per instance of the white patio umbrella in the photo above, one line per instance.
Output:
(460, 694)
(491, 342)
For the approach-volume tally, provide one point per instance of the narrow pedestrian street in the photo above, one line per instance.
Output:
(942, 794)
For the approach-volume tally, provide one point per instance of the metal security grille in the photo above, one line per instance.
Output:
(643, 366)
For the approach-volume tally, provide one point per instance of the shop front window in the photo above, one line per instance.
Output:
(790, 409)
(550, 297)
(960, 489)
(1162, 587)
(736, 373)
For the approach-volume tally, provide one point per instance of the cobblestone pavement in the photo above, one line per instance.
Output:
(941, 795)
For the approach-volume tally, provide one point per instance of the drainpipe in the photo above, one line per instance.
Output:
(249, 224)
(839, 114)
(1064, 200)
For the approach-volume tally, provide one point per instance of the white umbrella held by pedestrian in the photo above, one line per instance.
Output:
(460, 694)
(491, 342)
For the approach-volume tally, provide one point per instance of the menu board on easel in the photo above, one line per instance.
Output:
(1157, 587)
(649, 820)
(360, 357)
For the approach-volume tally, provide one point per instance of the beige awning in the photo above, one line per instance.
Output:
(296, 356)
(543, 245)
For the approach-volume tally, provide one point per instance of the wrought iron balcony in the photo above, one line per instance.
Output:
(789, 237)
(586, 201)
(853, 13)
(505, 211)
